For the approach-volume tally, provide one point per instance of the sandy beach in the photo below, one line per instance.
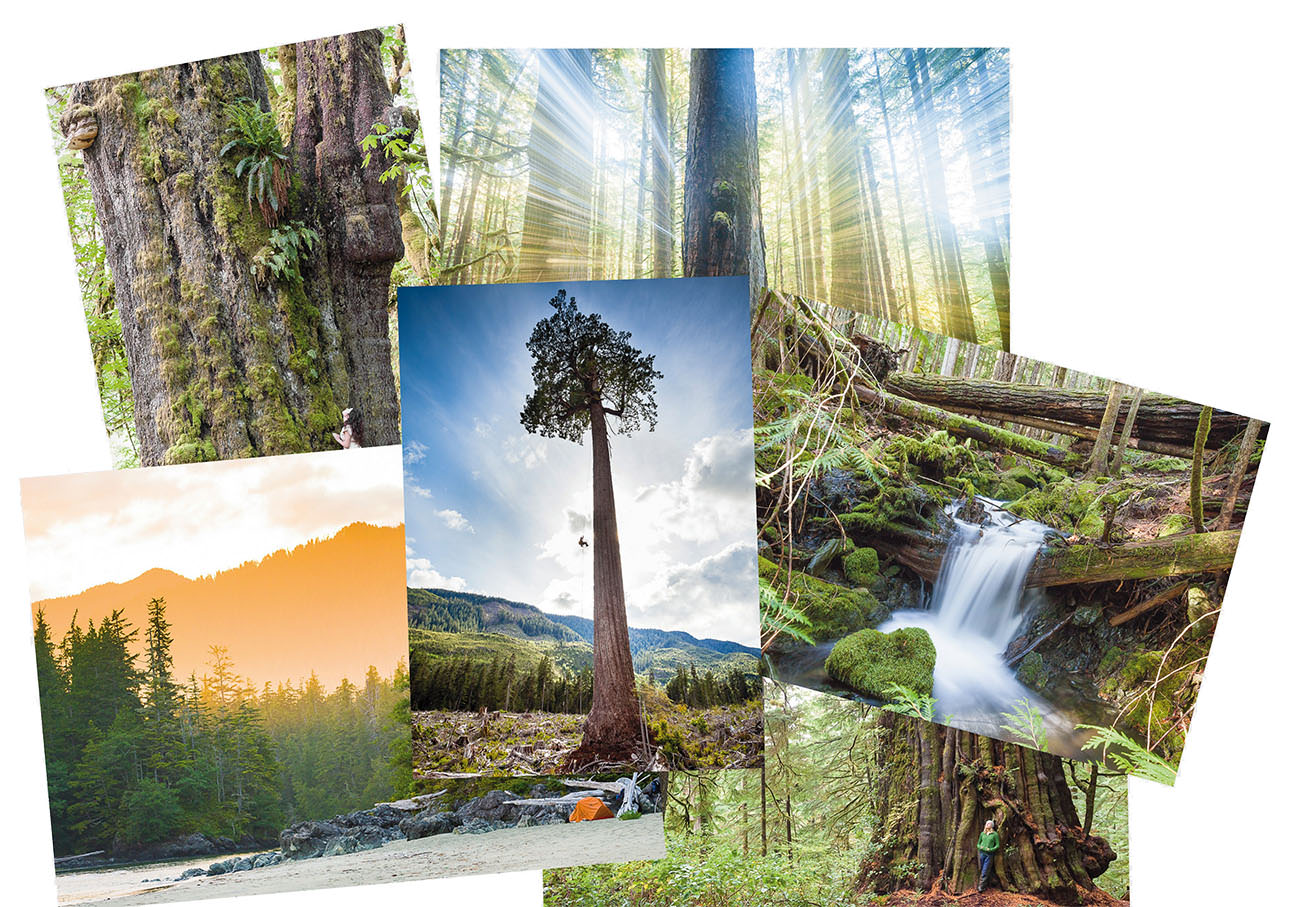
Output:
(440, 856)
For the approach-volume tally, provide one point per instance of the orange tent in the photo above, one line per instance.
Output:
(590, 808)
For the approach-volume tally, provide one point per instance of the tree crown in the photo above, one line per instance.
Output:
(580, 361)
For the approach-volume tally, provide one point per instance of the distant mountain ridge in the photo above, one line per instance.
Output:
(466, 612)
(329, 605)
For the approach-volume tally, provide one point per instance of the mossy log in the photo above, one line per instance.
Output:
(1159, 417)
(1182, 555)
(938, 785)
(965, 427)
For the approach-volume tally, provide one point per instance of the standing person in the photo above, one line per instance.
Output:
(351, 436)
(988, 845)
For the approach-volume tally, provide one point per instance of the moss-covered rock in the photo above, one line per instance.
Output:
(868, 661)
(1199, 604)
(861, 566)
(831, 610)
(1076, 506)
(1032, 672)
(1173, 524)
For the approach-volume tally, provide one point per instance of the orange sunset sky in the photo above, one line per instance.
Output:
(295, 564)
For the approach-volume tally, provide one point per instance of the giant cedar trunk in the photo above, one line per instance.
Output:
(225, 360)
(557, 212)
(342, 93)
(937, 805)
(723, 227)
(612, 731)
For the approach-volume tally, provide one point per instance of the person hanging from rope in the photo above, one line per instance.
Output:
(988, 846)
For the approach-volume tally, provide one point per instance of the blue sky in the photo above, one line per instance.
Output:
(492, 509)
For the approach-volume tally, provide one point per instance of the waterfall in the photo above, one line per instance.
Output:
(978, 607)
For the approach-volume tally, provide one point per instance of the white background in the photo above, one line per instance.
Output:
(1154, 214)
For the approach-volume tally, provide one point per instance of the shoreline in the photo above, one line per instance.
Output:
(439, 856)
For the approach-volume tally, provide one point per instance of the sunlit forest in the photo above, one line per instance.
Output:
(876, 179)
(136, 755)
(233, 303)
(840, 815)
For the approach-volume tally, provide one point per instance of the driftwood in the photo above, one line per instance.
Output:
(1168, 595)
(1204, 552)
(78, 856)
(1159, 417)
(1019, 656)
(609, 786)
(566, 800)
(414, 804)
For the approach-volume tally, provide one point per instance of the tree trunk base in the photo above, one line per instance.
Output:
(611, 751)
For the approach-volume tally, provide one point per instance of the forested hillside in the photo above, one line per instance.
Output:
(473, 651)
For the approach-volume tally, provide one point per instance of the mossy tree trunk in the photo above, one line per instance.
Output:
(937, 786)
(341, 93)
(557, 212)
(723, 230)
(219, 354)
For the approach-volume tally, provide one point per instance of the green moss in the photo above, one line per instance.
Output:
(1074, 506)
(861, 566)
(1168, 464)
(1032, 672)
(1173, 524)
(832, 610)
(868, 661)
(190, 452)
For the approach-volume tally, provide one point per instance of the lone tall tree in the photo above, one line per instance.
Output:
(584, 373)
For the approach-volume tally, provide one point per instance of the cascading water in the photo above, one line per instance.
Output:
(978, 607)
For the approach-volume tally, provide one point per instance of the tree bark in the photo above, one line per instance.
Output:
(557, 212)
(1196, 503)
(342, 93)
(1244, 452)
(934, 820)
(225, 360)
(1126, 433)
(723, 230)
(1100, 457)
(613, 728)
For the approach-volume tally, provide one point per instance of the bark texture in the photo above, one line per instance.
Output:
(341, 93)
(723, 227)
(938, 786)
(219, 354)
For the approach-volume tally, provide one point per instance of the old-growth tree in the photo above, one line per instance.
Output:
(723, 227)
(936, 786)
(233, 348)
(584, 374)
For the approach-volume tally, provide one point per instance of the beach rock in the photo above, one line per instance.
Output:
(191, 873)
(307, 839)
(480, 826)
(267, 859)
(428, 823)
(243, 864)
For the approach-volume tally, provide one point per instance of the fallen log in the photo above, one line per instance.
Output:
(1168, 595)
(1159, 417)
(1020, 656)
(78, 856)
(965, 427)
(612, 787)
(1204, 552)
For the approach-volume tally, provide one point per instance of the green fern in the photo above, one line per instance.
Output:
(779, 616)
(265, 163)
(1131, 756)
(1027, 724)
(288, 246)
(907, 701)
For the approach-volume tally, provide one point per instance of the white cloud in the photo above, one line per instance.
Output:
(481, 428)
(529, 450)
(414, 452)
(416, 488)
(713, 497)
(454, 519)
(421, 574)
(714, 596)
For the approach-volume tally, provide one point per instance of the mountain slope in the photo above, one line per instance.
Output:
(330, 605)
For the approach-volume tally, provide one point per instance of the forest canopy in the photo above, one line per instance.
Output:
(884, 173)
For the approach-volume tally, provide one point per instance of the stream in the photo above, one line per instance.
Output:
(978, 606)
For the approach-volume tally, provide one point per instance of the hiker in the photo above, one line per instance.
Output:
(351, 436)
(988, 845)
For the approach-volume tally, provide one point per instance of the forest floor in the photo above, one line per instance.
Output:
(531, 743)
(439, 856)
(989, 898)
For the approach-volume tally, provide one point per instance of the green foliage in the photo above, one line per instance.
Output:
(861, 566)
(907, 701)
(580, 362)
(287, 248)
(872, 662)
(779, 616)
(1114, 745)
(265, 163)
(809, 432)
(1027, 725)
(827, 610)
